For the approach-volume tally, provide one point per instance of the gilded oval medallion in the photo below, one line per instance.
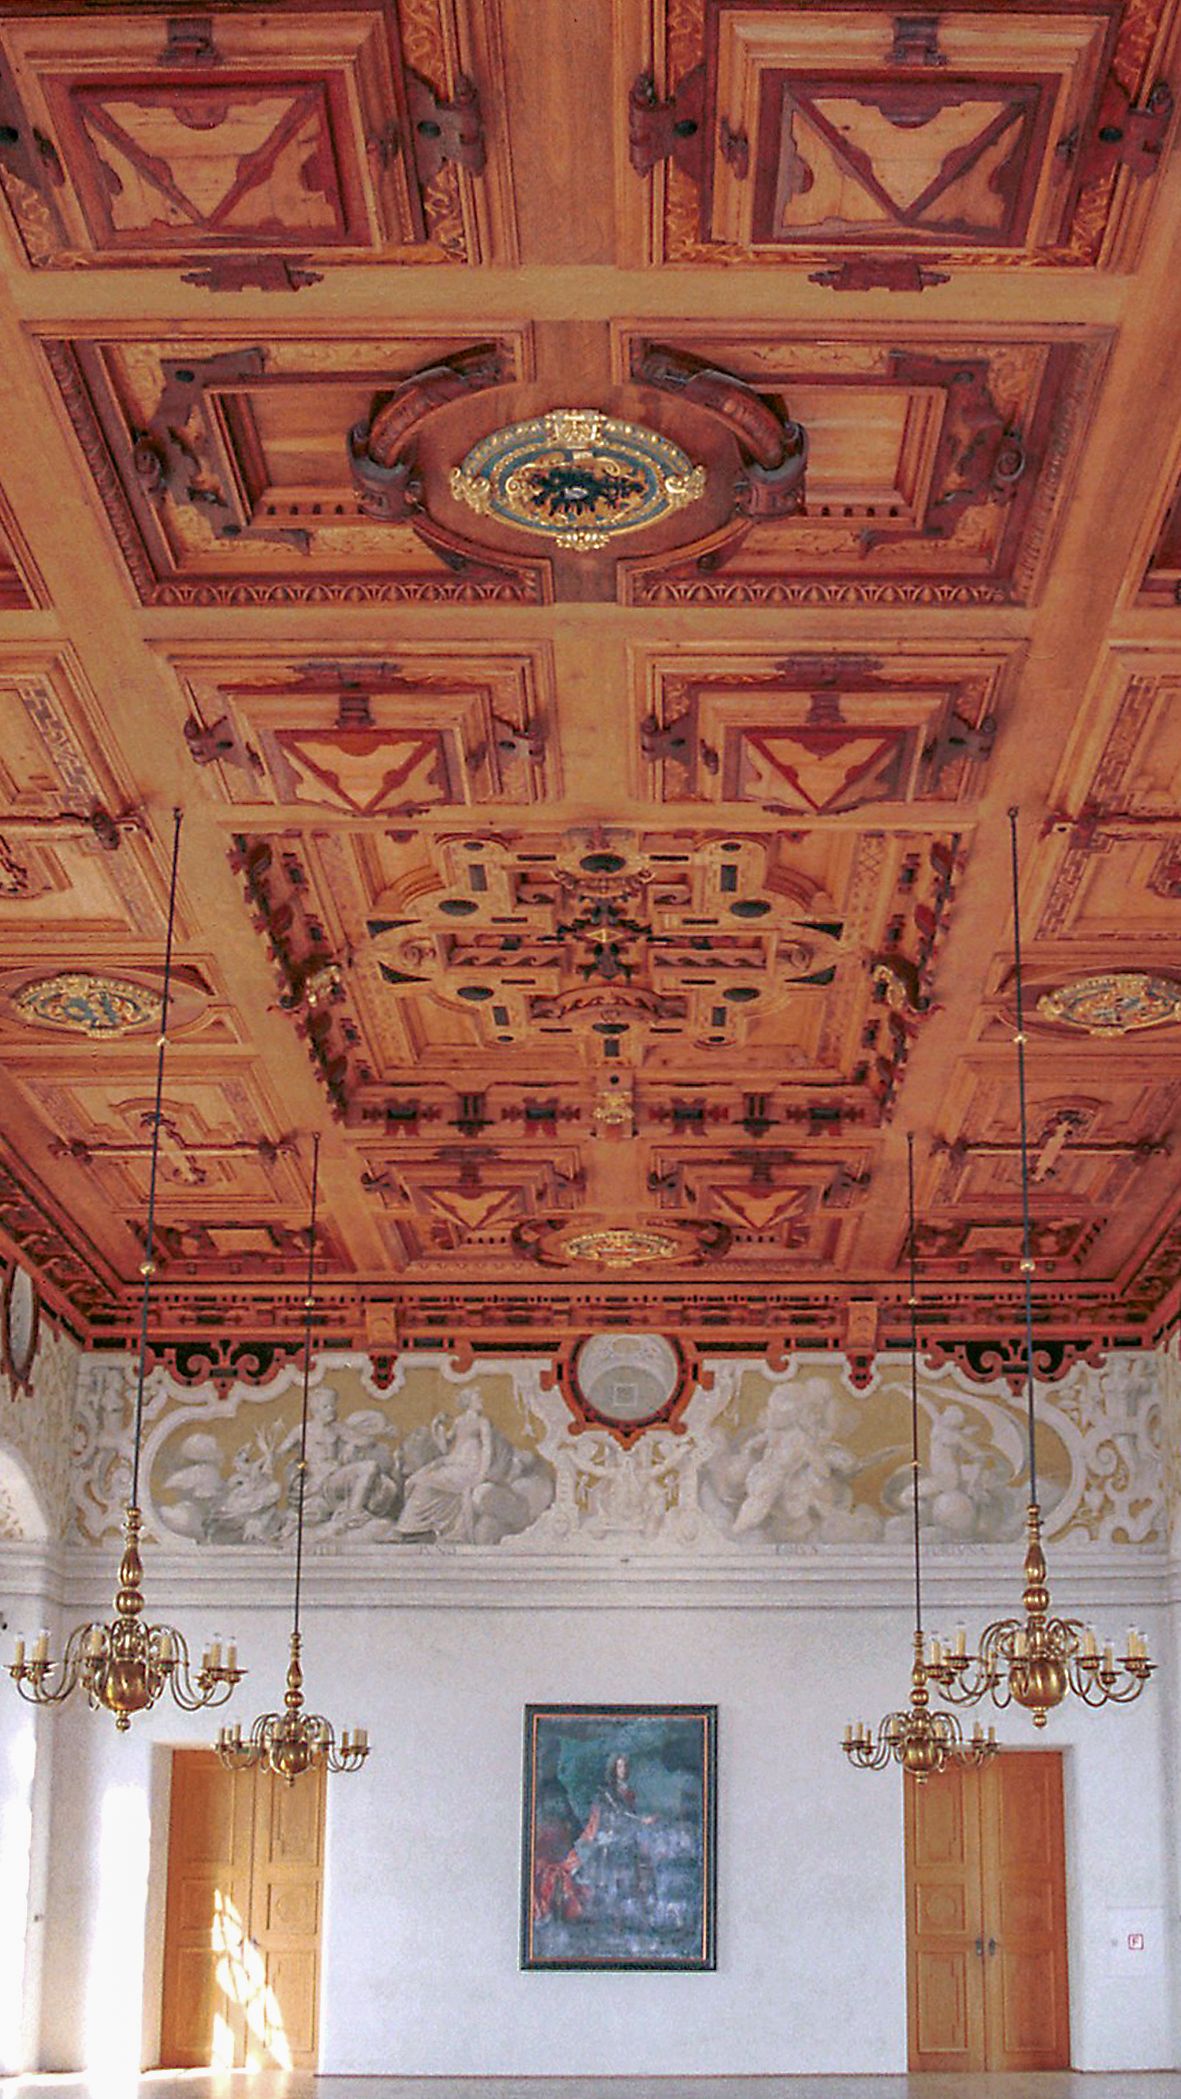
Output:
(85, 1004)
(1115, 1003)
(578, 476)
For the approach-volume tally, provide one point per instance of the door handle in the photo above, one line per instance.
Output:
(980, 1949)
(991, 1948)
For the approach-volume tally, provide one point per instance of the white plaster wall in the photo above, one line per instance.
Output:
(421, 1927)
(27, 1743)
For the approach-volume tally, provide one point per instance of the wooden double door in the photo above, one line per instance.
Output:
(986, 1917)
(242, 1921)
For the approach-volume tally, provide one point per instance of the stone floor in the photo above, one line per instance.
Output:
(202, 2084)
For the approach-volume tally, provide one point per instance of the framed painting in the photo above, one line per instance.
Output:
(618, 1842)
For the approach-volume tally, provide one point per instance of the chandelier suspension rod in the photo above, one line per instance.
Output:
(147, 1266)
(914, 1387)
(308, 1309)
(1023, 1111)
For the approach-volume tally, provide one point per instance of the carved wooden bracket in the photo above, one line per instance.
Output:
(190, 42)
(774, 449)
(446, 130)
(385, 476)
(878, 273)
(220, 744)
(263, 273)
(958, 739)
(916, 41)
(980, 457)
(670, 130)
(182, 453)
(1124, 136)
(25, 152)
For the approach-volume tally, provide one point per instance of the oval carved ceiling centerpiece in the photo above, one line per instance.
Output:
(1117, 1002)
(83, 1002)
(578, 476)
(559, 1242)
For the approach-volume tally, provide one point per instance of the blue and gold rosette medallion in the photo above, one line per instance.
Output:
(578, 476)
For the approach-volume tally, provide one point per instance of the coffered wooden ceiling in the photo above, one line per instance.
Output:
(614, 910)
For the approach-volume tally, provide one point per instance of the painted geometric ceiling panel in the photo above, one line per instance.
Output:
(821, 734)
(983, 134)
(372, 739)
(594, 571)
(248, 141)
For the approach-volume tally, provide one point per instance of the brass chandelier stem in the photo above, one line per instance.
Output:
(921, 1741)
(148, 1265)
(1027, 1263)
(290, 1742)
(1036, 1660)
(126, 1663)
(309, 1306)
(913, 1302)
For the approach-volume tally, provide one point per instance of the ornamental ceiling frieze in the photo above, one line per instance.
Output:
(430, 1457)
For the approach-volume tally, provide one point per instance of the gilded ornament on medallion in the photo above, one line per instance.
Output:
(85, 1004)
(1115, 1003)
(578, 476)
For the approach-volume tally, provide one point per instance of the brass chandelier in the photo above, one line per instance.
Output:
(125, 1664)
(292, 1742)
(1036, 1660)
(922, 1741)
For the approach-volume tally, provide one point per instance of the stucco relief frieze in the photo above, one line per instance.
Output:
(36, 1425)
(448, 1458)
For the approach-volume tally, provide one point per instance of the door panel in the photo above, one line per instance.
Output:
(986, 1917)
(1023, 1847)
(943, 1888)
(285, 1918)
(242, 1922)
(210, 1834)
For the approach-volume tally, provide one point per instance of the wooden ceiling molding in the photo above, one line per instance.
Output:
(251, 141)
(595, 590)
(864, 144)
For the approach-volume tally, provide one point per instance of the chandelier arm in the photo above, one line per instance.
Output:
(148, 1263)
(1023, 1111)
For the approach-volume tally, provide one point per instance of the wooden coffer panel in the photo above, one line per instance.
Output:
(139, 137)
(267, 512)
(937, 469)
(983, 131)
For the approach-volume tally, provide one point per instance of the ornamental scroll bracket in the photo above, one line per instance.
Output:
(184, 455)
(774, 449)
(981, 457)
(381, 459)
